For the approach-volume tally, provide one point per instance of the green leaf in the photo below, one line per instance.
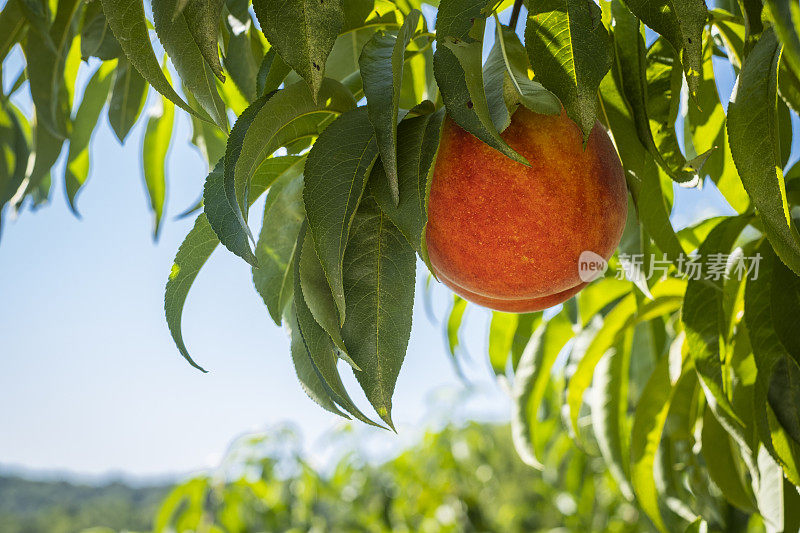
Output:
(681, 23)
(706, 131)
(666, 300)
(648, 426)
(788, 85)
(570, 51)
(127, 99)
(45, 64)
(192, 255)
(379, 291)
(786, 17)
(321, 350)
(609, 408)
(207, 137)
(289, 115)
(600, 294)
(157, 137)
(336, 176)
(317, 294)
(127, 21)
(242, 58)
(453, 324)
(220, 203)
(271, 73)
(97, 39)
(723, 463)
(785, 306)
(505, 76)
(307, 374)
(642, 172)
(531, 377)
(752, 132)
(458, 71)
(418, 142)
(381, 64)
(12, 25)
(202, 18)
(704, 319)
(303, 33)
(501, 334)
(46, 149)
(195, 73)
(636, 86)
(94, 99)
(195, 251)
(17, 153)
(276, 246)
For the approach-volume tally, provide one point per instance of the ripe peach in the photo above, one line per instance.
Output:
(507, 236)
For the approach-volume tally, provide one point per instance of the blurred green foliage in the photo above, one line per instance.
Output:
(28, 506)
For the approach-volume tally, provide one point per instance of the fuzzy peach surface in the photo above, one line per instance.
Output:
(508, 236)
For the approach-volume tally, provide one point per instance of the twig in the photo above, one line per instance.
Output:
(512, 22)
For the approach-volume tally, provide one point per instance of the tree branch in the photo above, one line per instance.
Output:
(512, 22)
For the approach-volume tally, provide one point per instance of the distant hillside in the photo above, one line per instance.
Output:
(62, 507)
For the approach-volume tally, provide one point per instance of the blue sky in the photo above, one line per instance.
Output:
(90, 380)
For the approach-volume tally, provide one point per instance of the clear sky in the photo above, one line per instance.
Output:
(90, 380)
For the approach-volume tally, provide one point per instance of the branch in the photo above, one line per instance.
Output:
(512, 22)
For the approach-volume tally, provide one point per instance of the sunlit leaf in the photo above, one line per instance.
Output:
(458, 70)
(202, 19)
(752, 132)
(681, 23)
(570, 51)
(127, 21)
(157, 137)
(94, 99)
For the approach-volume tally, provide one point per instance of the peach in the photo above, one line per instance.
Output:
(508, 236)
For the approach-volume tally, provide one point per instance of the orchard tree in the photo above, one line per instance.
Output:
(678, 365)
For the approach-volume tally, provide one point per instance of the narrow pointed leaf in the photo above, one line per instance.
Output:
(202, 19)
(303, 33)
(320, 347)
(195, 73)
(703, 316)
(289, 115)
(127, 99)
(458, 70)
(379, 290)
(220, 204)
(609, 409)
(530, 382)
(317, 293)
(418, 141)
(276, 246)
(271, 73)
(94, 99)
(752, 133)
(629, 43)
(570, 51)
(157, 137)
(128, 22)
(307, 374)
(97, 39)
(381, 64)
(681, 23)
(195, 251)
(336, 176)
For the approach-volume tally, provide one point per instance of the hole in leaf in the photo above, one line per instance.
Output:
(469, 104)
(315, 65)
